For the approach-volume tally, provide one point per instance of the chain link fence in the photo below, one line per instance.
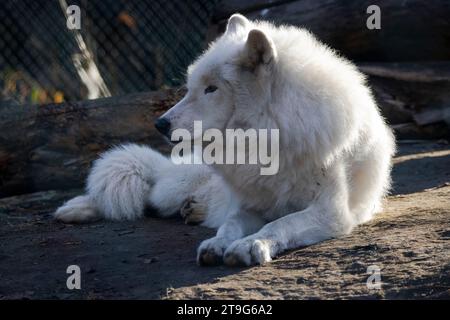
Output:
(131, 45)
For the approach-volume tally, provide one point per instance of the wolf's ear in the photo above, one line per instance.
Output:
(236, 22)
(259, 49)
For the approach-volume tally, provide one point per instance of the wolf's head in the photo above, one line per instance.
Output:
(228, 85)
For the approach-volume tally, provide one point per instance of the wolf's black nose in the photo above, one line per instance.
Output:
(163, 125)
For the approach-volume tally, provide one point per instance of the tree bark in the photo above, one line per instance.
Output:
(409, 92)
(52, 146)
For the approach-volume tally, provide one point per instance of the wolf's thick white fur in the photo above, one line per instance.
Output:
(335, 148)
(129, 178)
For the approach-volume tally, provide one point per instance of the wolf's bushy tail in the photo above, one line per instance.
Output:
(118, 185)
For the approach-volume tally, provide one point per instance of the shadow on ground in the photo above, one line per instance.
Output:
(154, 258)
(141, 259)
(420, 171)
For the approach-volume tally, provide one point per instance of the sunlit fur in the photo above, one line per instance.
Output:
(335, 148)
(126, 180)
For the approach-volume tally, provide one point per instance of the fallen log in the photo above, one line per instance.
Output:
(52, 146)
(411, 92)
(413, 30)
(433, 116)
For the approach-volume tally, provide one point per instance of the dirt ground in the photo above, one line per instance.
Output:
(152, 258)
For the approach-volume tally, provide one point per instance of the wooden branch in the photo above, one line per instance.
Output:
(52, 146)
(412, 72)
(406, 90)
(433, 116)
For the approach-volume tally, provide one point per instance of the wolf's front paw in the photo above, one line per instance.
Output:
(210, 252)
(193, 212)
(246, 252)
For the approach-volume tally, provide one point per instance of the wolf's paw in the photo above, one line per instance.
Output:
(246, 252)
(193, 212)
(210, 252)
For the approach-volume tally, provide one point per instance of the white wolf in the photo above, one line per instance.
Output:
(335, 149)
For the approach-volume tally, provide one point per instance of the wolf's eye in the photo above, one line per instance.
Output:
(210, 89)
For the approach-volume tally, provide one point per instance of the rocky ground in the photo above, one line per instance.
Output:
(152, 258)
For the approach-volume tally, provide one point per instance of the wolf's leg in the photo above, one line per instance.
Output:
(210, 202)
(183, 189)
(370, 179)
(210, 252)
(193, 212)
(325, 218)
